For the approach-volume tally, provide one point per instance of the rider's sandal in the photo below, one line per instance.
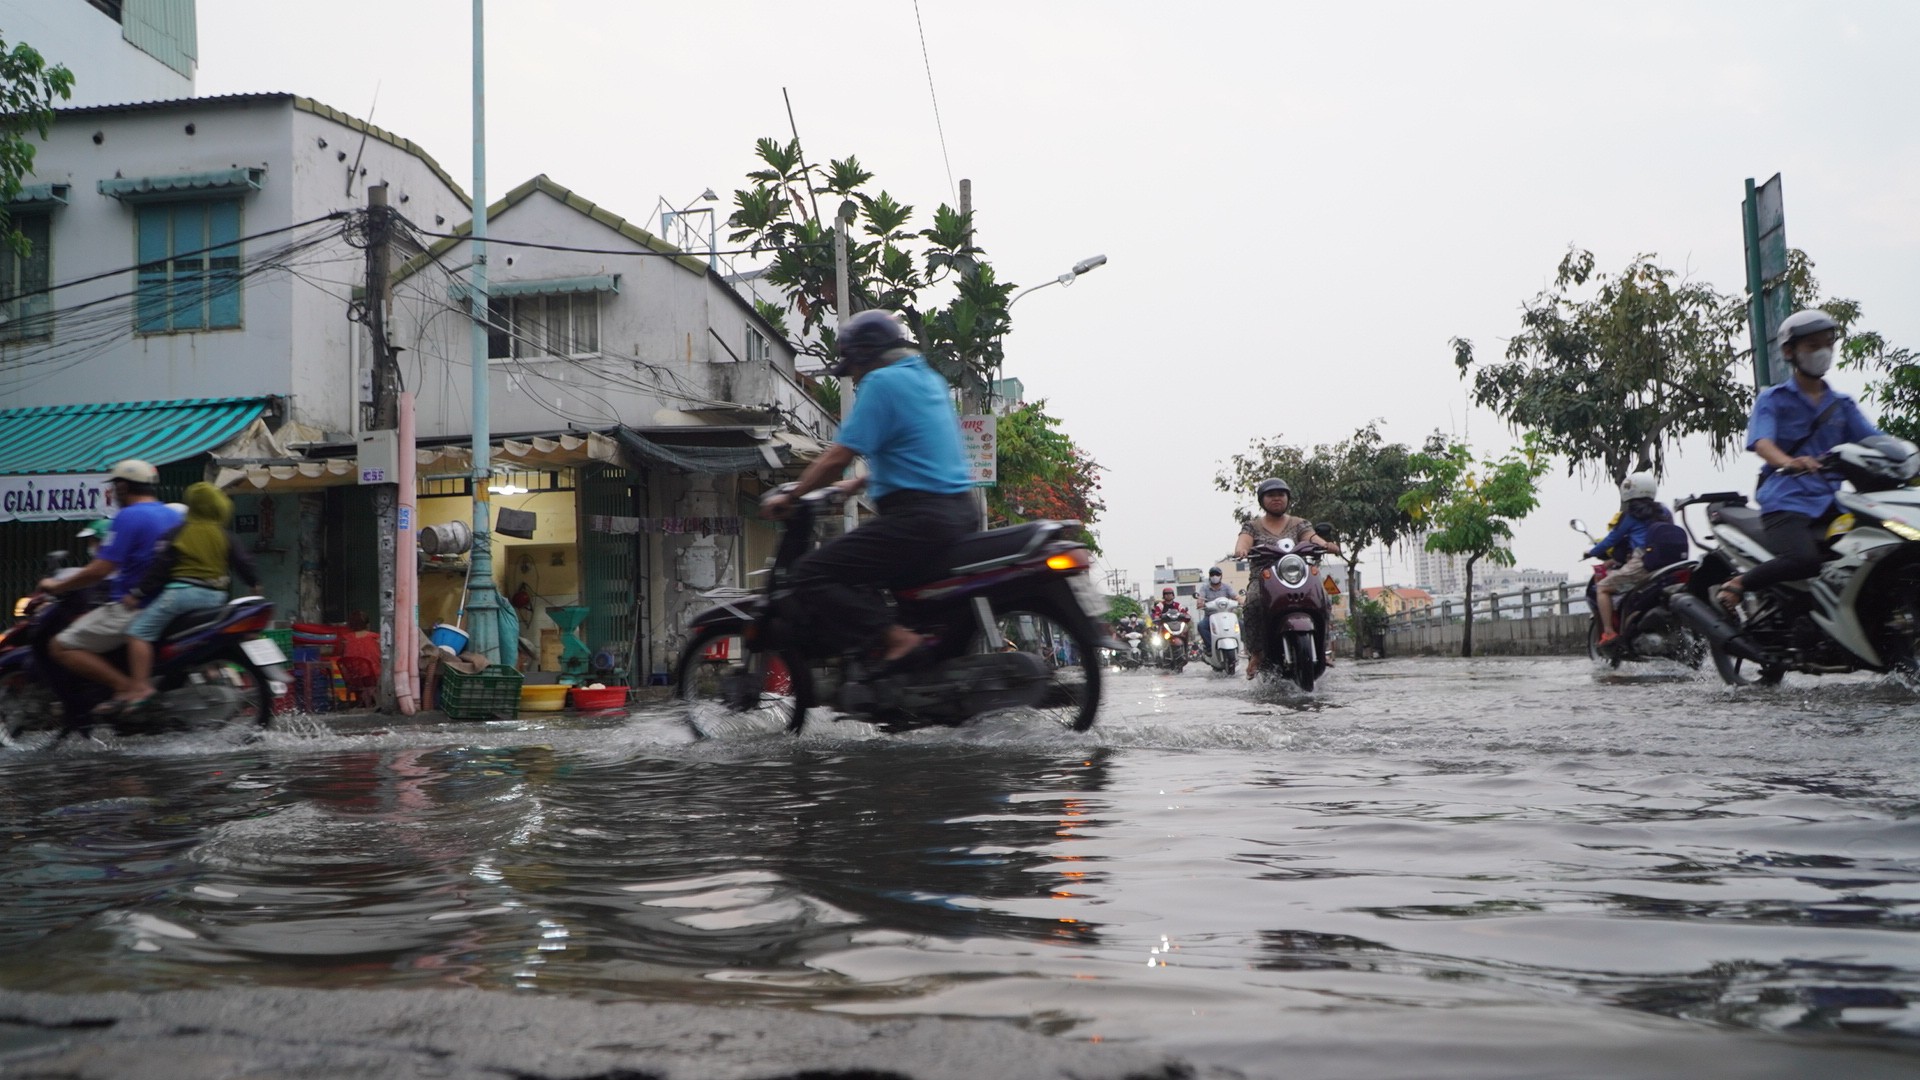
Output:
(109, 709)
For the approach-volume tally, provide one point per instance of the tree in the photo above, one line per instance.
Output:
(1896, 370)
(28, 88)
(1610, 380)
(1042, 473)
(1123, 607)
(889, 264)
(1469, 509)
(1353, 485)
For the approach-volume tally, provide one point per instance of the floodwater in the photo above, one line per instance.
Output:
(1426, 868)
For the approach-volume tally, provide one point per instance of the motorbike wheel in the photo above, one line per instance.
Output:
(1300, 650)
(233, 669)
(27, 707)
(1229, 661)
(1690, 648)
(1071, 655)
(739, 683)
(1593, 640)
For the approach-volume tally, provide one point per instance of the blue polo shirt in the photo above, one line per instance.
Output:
(137, 532)
(1784, 415)
(903, 423)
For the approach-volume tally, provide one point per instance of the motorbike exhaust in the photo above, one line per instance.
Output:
(1717, 627)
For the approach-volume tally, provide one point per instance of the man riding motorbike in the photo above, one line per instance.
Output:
(904, 425)
(1215, 589)
(1794, 422)
(1640, 510)
(137, 530)
(1273, 524)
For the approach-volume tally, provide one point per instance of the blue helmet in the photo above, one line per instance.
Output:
(864, 337)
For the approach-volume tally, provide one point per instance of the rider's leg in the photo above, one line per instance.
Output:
(1795, 542)
(1605, 597)
(78, 647)
(905, 545)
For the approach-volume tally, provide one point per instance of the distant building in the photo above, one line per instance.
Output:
(1506, 579)
(1399, 598)
(1439, 573)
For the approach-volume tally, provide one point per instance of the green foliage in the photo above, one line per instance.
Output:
(28, 89)
(1469, 508)
(1043, 474)
(826, 391)
(1895, 371)
(1123, 607)
(1609, 377)
(1368, 621)
(890, 265)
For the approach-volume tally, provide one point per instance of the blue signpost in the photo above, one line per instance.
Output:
(1769, 295)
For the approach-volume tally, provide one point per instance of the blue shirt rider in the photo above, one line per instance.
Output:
(1793, 424)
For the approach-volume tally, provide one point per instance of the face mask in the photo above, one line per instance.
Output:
(1816, 362)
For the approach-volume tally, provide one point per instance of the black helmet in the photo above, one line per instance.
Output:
(1215, 572)
(1272, 484)
(864, 337)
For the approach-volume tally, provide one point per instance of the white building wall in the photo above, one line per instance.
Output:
(107, 69)
(294, 335)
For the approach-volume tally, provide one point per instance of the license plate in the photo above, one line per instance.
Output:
(1091, 601)
(263, 651)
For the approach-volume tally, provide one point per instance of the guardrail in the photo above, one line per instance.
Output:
(1527, 603)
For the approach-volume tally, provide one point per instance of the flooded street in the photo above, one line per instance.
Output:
(1428, 867)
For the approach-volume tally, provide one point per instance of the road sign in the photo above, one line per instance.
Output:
(1769, 296)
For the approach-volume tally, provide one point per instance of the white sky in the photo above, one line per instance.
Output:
(1301, 202)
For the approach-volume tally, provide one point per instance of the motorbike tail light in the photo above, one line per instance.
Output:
(1682, 576)
(1068, 560)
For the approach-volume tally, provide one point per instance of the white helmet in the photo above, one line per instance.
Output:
(1640, 485)
(135, 471)
(1805, 324)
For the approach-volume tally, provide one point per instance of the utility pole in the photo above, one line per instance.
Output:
(386, 388)
(972, 401)
(842, 311)
(483, 615)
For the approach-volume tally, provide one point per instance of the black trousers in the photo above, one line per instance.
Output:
(908, 544)
(1794, 540)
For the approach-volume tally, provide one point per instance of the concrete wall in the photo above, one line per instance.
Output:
(107, 69)
(1542, 635)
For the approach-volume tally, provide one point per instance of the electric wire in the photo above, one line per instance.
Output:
(937, 125)
(136, 267)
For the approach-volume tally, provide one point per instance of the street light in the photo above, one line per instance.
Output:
(668, 216)
(1081, 267)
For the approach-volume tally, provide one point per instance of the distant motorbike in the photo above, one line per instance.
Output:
(211, 668)
(1296, 613)
(1223, 632)
(1649, 627)
(1860, 612)
(1175, 632)
(1010, 625)
(1131, 635)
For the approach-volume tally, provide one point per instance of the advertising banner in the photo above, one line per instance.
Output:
(977, 441)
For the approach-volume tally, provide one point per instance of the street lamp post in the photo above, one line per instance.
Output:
(1081, 267)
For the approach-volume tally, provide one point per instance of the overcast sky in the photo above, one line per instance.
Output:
(1301, 202)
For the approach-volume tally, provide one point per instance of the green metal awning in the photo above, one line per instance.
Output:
(236, 181)
(33, 194)
(500, 290)
(54, 439)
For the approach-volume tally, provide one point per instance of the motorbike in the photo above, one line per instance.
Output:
(1649, 627)
(1131, 638)
(1295, 610)
(1223, 629)
(1173, 647)
(211, 669)
(1861, 611)
(1010, 625)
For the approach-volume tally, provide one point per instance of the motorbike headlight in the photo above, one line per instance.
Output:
(1293, 571)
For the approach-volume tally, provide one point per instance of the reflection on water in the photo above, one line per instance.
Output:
(1215, 867)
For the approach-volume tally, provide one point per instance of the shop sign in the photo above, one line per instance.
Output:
(69, 497)
(977, 443)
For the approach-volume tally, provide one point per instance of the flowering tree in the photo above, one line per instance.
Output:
(1469, 508)
(1043, 474)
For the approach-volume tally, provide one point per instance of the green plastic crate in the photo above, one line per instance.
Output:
(494, 694)
(282, 638)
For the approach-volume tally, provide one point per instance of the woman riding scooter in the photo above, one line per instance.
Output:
(1273, 524)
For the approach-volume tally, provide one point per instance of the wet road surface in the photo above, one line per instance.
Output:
(1427, 867)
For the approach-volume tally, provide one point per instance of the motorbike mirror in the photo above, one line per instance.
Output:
(56, 560)
(1579, 525)
(1324, 530)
